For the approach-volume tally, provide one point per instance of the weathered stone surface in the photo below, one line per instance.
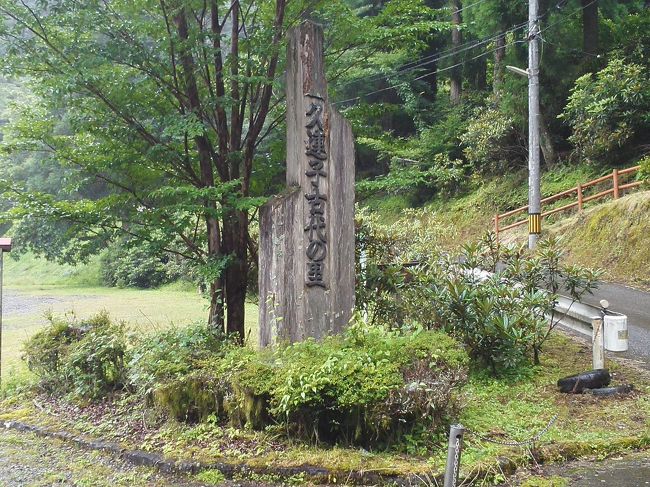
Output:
(307, 235)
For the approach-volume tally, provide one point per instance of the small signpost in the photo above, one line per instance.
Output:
(5, 246)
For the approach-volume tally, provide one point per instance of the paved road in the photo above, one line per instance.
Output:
(636, 305)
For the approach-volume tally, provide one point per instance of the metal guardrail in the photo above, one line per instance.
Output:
(578, 316)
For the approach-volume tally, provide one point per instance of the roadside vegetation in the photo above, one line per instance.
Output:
(138, 141)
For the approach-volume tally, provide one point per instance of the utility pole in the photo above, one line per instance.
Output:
(534, 190)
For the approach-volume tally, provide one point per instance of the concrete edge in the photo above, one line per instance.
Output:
(318, 475)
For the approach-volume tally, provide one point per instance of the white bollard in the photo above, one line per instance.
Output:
(598, 343)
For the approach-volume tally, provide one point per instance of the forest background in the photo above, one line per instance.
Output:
(150, 132)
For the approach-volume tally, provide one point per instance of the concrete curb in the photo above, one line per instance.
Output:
(317, 475)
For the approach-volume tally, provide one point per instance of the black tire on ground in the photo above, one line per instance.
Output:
(594, 379)
(611, 391)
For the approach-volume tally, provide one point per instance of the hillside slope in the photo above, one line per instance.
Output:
(614, 236)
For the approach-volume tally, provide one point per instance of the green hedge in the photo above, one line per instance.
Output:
(367, 386)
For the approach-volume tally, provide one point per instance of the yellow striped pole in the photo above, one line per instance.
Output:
(534, 223)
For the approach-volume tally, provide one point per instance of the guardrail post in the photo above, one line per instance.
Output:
(580, 204)
(456, 432)
(615, 177)
(598, 344)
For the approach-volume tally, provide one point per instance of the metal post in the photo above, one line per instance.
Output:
(456, 432)
(5, 246)
(534, 190)
(598, 344)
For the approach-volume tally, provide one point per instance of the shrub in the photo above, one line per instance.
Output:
(96, 363)
(609, 109)
(366, 387)
(644, 173)
(125, 265)
(369, 385)
(184, 371)
(85, 359)
(491, 141)
(503, 317)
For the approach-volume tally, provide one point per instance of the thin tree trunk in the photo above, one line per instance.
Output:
(480, 79)
(456, 39)
(589, 28)
(204, 148)
(499, 56)
(546, 143)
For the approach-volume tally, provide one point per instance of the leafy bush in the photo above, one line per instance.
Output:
(491, 141)
(644, 173)
(366, 386)
(609, 109)
(503, 315)
(369, 385)
(86, 359)
(124, 265)
(170, 370)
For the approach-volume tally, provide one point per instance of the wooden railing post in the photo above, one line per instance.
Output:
(580, 197)
(615, 177)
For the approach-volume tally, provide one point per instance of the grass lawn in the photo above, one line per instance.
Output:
(34, 287)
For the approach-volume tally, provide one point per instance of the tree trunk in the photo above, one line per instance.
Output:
(235, 230)
(499, 55)
(216, 317)
(546, 143)
(456, 39)
(590, 28)
(480, 79)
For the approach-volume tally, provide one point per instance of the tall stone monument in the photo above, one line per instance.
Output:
(306, 268)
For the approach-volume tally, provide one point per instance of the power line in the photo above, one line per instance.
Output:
(429, 73)
(564, 19)
(433, 58)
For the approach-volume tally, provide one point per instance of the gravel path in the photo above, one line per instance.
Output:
(15, 303)
(27, 460)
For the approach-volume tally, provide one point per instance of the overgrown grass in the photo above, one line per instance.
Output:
(612, 236)
(507, 408)
(30, 271)
(468, 215)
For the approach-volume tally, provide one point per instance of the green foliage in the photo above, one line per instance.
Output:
(211, 477)
(500, 314)
(490, 140)
(609, 109)
(369, 385)
(506, 315)
(644, 173)
(124, 265)
(86, 359)
(172, 353)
